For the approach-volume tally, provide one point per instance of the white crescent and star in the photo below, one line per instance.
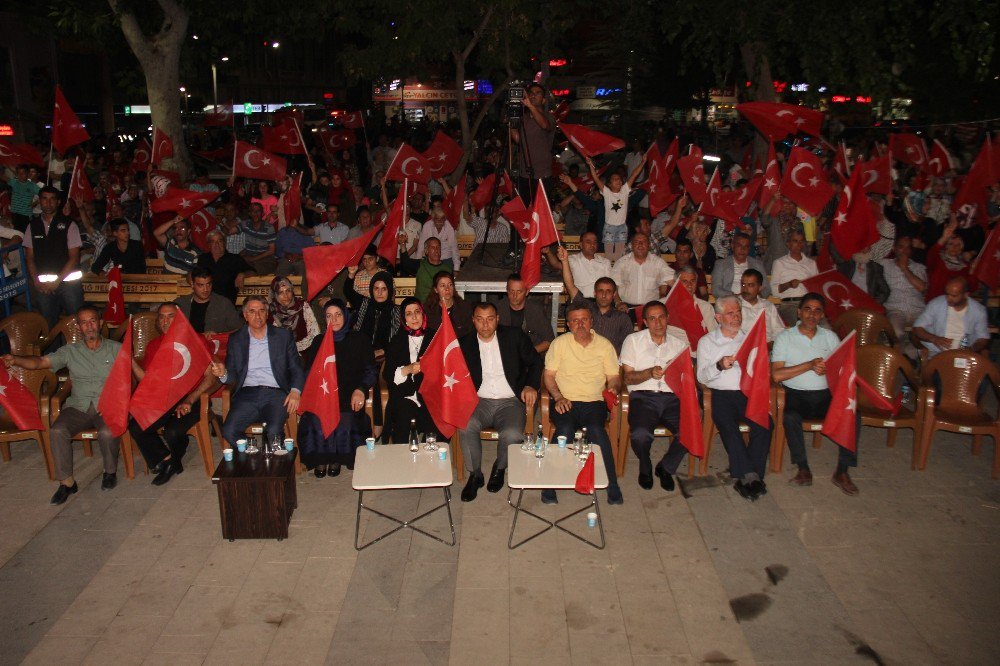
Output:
(784, 112)
(449, 380)
(845, 303)
(795, 171)
(3, 153)
(402, 167)
(185, 357)
(871, 175)
(246, 159)
(751, 360)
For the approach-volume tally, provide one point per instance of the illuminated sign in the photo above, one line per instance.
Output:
(779, 86)
(484, 87)
(557, 62)
(6, 130)
(560, 92)
(248, 108)
(607, 92)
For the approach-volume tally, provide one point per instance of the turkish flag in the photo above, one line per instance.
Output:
(79, 185)
(217, 345)
(291, 201)
(113, 404)
(543, 233)
(830, 284)
(908, 149)
(290, 113)
(657, 183)
(940, 161)
(561, 111)
(840, 163)
(217, 154)
(755, 377)
(221, 117)
(202, 222)
(323, 262)
(353, 120)
(443, 155)
(585, 182)
(481, 196)
(163, 146)
(19, 403)
(679, 376)
(683, 313)
(409, 164)
(772, 178)
(175, 370)
(141, 156)
(282, 138)
(739, 200)
(388, 247)
(9, 155)
(840, 423)
(518, 215)
(776, 121)
(183, 202)
(333, 141)
(67, 130)
(875, 399)
(252, 162)
(447, 388)
(321, 395)
(715, 205)
(854, 226)
(878, 174)
(585, 479)
(984, 172)
(22, 153)
(114, 311)
(987, 264)
(454, 201)
(590, 142)
(805, 182)
(693, 176)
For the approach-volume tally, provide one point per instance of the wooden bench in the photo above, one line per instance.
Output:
(144, 288)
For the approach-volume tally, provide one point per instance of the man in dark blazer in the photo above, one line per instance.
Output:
(729, 271)
(506, 371)
(264, 372)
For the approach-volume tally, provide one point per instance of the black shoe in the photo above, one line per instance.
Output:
(63, 493)
(320, 471)
(472, 486)
(758, 488)
(160, 466)
(109, 481)
(615, 495)
(666, 480)
(645, 481)
(744, 489)
(169, 469)
(496, 480)
(549, 497)
(333, 470)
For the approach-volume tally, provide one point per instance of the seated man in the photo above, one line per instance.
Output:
(164, 455)
(684, 256)
(688, 277)
(728, 273)
(264, 370)
(953, 321)
(288, 247)
(506, 371)
(120, 251)
(208, 312)
(641, 276)
(787, 274)
(907, 282)
(426, 268)
(867, 275)
(652, 402)
(332, 231)
(754, 306)
(798, 361)
(228, 270)
(718, 371)
(609, 321)
(258, 241)
(586, 265)
(529, 316)
(89, 361)
(578, 366)
(180, 254)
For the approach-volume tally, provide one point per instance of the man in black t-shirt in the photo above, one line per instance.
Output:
(228, 270)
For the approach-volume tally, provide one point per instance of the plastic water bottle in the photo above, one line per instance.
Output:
(414, 437)
(965, 342)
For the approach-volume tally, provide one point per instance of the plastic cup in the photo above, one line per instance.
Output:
(442, 453)
(227, 454)
(370, 443)
(289, 444)
(241, 445)
(592, 519)
(561, 441)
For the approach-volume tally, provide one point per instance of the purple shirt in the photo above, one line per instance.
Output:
(290, 241)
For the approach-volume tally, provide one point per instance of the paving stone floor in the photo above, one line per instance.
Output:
(906, 573)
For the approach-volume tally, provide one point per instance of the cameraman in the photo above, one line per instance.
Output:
(534, 153)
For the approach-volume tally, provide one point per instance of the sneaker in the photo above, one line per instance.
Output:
(62, 493)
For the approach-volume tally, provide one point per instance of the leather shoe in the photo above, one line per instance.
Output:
(160, 466)
(472, 486)
(843, 481)
(744, 489)
(169, 469)
(109, 481)
(549, 497)
(320, 471)
(62, 493)
(645, 481)
(615, 495)
(802, 478)
(666, 480)
(758, 488)
(496, 480)
(333, 470)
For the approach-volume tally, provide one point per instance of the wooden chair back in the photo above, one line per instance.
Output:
(870, 327)
(25, 331)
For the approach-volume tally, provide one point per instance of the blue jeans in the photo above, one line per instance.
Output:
(615, 234)
(65, 301)
(589, 415)
(255, 404)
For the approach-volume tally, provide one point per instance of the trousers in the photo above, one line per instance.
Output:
(649, 410)
(173, 442)
(72, 421)
(255, 404)
(728, 410)
(589, 415)
(809, 405)
(506, 416)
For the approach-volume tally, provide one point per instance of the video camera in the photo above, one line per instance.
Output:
(515, 103)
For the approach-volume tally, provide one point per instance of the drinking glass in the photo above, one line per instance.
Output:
(431, 443)
(252, 444)
(540, 448)
(528, 444)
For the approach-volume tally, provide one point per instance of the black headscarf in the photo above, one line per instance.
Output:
(380, 321)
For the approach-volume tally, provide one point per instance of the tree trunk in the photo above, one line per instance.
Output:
(758, 69)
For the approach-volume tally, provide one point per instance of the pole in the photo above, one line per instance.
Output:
(215, 88)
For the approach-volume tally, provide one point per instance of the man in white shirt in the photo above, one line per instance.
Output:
(587, 267)
(718, 371)
(907, 282)
(439, 227)
(331, 231)
(787, 274)
(953, 321)
(754, 306)
(641, 276)
(651, 402)
(506, 371)
(688, 277)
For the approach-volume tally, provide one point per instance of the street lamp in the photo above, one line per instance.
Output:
(215, 84)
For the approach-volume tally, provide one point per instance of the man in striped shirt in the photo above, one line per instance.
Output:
(259, 237)
(23, 195)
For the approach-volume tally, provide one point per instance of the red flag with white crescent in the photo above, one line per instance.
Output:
(679, 376)
(117, 392)
(202, 222)
(543, 233)
(114, 311)
(283, 137)
(67, 130)
(447, 388)
(18, 402)
(840, 294)
(940, 161)
(252, 162)
(772, 178)
(853, 227)
(755, 378)
(353, 120)
(388, 247)
(183, 202)
(321, 394)
(693, 176)
(877, 174)
(443, 155)
(409, 164)
(590, 142)
(840, 423)
(323, 262)
(163, 146)
(79, 184)
(805, 181)
(776, 120)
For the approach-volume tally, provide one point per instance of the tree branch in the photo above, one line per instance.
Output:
(478, 33)
(133, 32)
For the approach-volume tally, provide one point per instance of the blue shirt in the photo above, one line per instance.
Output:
(794, 348)
(290, 241)
(259, 371)
(257, 240)
(934, 320)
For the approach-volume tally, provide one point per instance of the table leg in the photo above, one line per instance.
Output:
(404, 523)
(518, 509)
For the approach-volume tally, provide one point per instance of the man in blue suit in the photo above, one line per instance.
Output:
(265, 374)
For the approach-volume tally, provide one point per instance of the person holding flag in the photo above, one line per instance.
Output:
(798, 362)
(719, 371)
(403, 376)
(89, 362)
(356, 372)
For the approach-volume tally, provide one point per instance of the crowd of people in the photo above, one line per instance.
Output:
(619, 334)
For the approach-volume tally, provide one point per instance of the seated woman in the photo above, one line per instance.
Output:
(359, 277)
(378, 317)
(356, 373)
(403, 377)
(443, 292)
(286, 310)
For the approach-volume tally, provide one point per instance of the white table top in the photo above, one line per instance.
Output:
(392, 466)
(557, 470)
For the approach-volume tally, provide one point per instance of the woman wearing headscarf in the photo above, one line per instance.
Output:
(357, 372)
(443, 293)
(402, 375)
(289, 311)
(378, 317)
(359, 278)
